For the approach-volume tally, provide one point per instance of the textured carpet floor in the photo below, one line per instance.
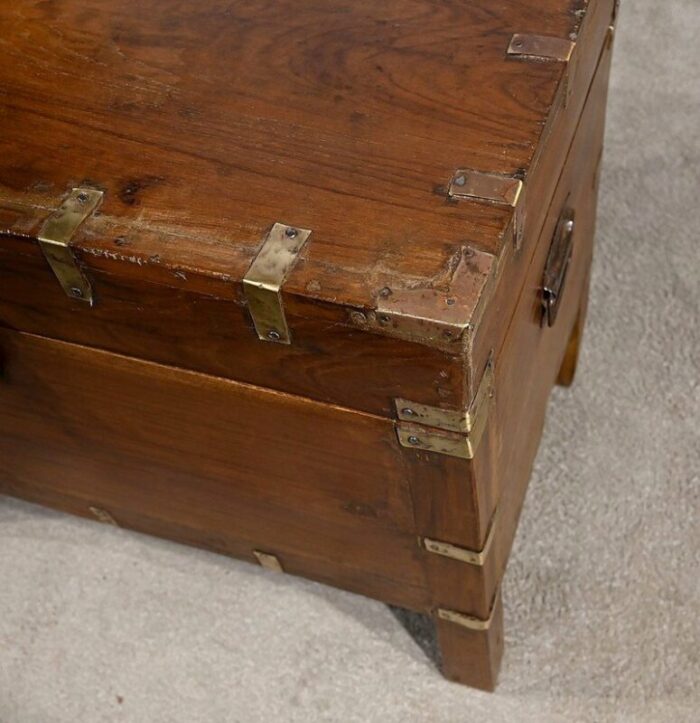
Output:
(602, 596)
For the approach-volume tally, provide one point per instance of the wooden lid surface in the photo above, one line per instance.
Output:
(207, 122)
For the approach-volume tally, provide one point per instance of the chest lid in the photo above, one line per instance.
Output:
(341, 182)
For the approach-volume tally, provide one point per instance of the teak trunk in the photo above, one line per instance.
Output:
(293, 281)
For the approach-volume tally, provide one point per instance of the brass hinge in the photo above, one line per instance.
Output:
(445, 431)
(463, 554)
(262, 284)
(545, 47)
(467, 184)
(55, 237)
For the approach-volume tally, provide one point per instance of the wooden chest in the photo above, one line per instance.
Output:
(292, 280)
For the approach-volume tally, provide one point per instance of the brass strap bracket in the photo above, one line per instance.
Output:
(446, 431)
(467, 184)
(546, 48)
(463, 554)
(55, 237)
(262, 284)
(466, 621)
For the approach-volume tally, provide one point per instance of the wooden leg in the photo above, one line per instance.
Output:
(472, 657)
(567, 371)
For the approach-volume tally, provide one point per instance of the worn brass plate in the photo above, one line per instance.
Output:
(262, 283)
(268, 561)
(491, 187)
(55, 237)
(435, 440)
(543, 47)
(463, 554)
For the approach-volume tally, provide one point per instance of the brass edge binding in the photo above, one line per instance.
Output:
(55, 237)
(471, 185)
(444, 431)
(436, 316)
(467, 621)
(262, 284)
(463, 554)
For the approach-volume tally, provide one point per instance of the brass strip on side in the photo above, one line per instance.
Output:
(463, 554)
(55, 237)
(473, 185)
(466, 621)
(262, 283)
(268, 561)
(542, 47)
(490, 187)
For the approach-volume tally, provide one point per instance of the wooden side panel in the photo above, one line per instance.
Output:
(327, 361)
(527, 367)
(226, 466)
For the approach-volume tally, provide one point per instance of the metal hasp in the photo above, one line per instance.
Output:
(445, 431)
(55, 237)
(262, 284)
(467, 184)
(556, 267)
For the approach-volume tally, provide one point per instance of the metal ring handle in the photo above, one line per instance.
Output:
(556, 267)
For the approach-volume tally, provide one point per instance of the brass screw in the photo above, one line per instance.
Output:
(407, 411)
(413, 440)
(274, 335)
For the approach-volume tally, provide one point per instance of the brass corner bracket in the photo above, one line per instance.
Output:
(262, 284)
(468, 184)
(466, 621)
(55, 237)
(463, 554)
(546, 48)
(446, 431)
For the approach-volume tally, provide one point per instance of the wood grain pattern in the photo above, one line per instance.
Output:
(222, 465)
(204, 124)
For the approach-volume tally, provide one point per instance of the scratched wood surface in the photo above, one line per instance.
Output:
(204, 123)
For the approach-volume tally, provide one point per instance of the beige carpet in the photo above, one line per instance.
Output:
(602, 597)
